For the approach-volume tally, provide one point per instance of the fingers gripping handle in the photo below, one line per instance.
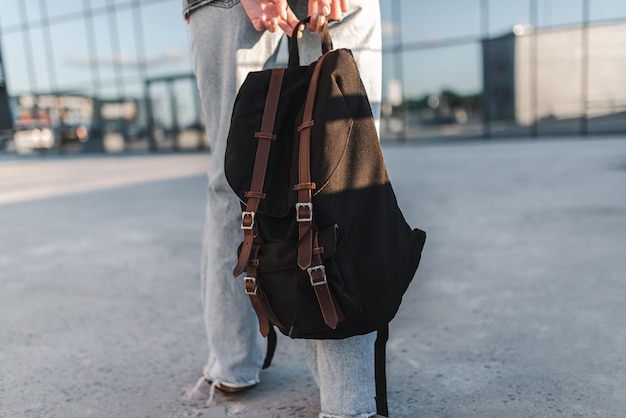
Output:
(294, 52)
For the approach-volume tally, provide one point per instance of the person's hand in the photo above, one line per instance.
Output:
(270, 15)
(323, 10)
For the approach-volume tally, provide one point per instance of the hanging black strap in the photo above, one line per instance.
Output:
(380, 370)
(271, 347)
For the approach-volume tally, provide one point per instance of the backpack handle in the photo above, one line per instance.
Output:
(294, 53)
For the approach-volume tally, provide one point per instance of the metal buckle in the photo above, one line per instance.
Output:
(245, 214)
(250, 281)
(314, 269)
(308, 206)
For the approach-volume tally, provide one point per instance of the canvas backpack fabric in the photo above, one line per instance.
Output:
(327, 252)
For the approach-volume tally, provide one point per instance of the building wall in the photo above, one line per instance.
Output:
(524, 98)
(557, 74)
(607, 70)
(550, 81)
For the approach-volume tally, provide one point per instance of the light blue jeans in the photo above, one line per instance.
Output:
(225, 47)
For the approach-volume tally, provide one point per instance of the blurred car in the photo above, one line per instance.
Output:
(33, 136)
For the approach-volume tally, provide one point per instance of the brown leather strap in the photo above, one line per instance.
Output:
(311, 186)
(331, 312)
(253, 291)
(304, 207)
(308, 259)
(255, 194)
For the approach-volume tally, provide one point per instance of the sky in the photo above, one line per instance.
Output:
(426, 70)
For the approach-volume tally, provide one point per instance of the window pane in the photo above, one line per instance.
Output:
(161, 105)
(606, 101)
(128, 45)
(503, 15)
(98, 6)
(9, 14)
(185, 101)
(71, 55)
(135, 91)
(103, 55)
(38, 44)
(63, 7)
(167, 51)
(507, 85)
(559, 12)
(431, 71)
(442, 98)
(389, 28)
(133, 88)
(433, 19)
(14, 59)
(559, 81)
(109, 91)
(33, 11)
(606, 9)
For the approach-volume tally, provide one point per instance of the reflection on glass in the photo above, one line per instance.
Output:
(9, 16)
(559, 13)
(504, 15)
(46, 79)
(103, 56)
(607, 10)
(99, 4)
(435, 19)
(72, 58)
(167, 51)
(129, 55)
(438, 98)
(62, 7)
(606, 100)
(14, 60)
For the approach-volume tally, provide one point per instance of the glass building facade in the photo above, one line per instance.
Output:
(121, 69)
(453, 67)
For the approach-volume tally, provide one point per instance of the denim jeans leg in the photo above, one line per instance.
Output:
(344, 372)
(225, 47)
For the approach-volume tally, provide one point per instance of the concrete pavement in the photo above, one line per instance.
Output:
(516, 311)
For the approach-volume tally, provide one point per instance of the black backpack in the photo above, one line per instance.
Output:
(327, 252)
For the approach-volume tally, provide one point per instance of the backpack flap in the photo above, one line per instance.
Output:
(334, 118)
